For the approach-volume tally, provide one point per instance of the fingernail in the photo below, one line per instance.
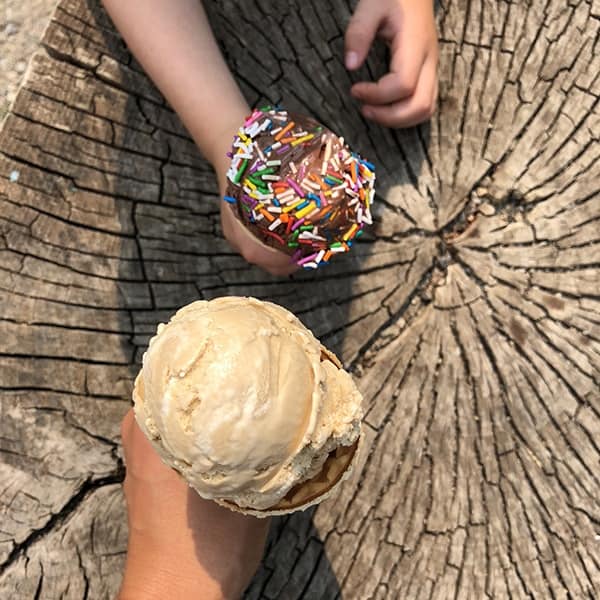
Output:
(351, 60)
(368, 113)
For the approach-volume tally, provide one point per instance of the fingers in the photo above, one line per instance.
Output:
(412, 110)
(390, 88)
(361, 31)
(253, 250)
(408, 52)
(407, 94)
(271, 260)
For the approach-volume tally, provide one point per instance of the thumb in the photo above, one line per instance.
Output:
(361, 32)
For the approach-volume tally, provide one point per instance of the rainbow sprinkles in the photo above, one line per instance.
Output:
(298, 187)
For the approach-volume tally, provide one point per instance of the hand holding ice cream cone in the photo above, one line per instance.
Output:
(180, 545)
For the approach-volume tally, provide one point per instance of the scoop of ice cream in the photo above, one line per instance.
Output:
(241, 399)
(298, 187)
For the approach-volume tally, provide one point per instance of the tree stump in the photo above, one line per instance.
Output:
(469, 314)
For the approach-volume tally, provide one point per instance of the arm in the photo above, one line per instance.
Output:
(173, 41)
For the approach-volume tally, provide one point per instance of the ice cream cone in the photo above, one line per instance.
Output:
(248, 407)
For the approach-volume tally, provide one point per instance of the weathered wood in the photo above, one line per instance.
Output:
(470, 315)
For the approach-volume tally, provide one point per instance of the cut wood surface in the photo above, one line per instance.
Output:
(469, 314)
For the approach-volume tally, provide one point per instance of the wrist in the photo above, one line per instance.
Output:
(152, 574)
(156, 570)
(215, 147)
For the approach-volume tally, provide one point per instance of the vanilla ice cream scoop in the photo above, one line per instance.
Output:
(246, 404)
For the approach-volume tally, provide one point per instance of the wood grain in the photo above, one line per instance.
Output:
(469, 315)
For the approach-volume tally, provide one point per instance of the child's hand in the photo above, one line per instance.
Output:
(407, 94)
(253, 250)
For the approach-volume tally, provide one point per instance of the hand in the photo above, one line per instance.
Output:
(181, 546)
(407, 94)
(252, 249)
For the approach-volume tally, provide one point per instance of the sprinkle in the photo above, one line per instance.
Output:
(315, 198)
(253, 117)
(316, 178)
(276, 223)
(364, 171)
(240, 172)
(368, 164)
(290, 207)
(229, 199)
(306, 210)
(274, 235)
(287, 128)
(297, 224)
(350, 232)
(305, 138)
(286, 197)
(267, 215)
(294, 185)
(273, 163)
(309, 186)
(326, 157)
(306, 259)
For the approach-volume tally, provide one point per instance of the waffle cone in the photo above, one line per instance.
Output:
(336, 469)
